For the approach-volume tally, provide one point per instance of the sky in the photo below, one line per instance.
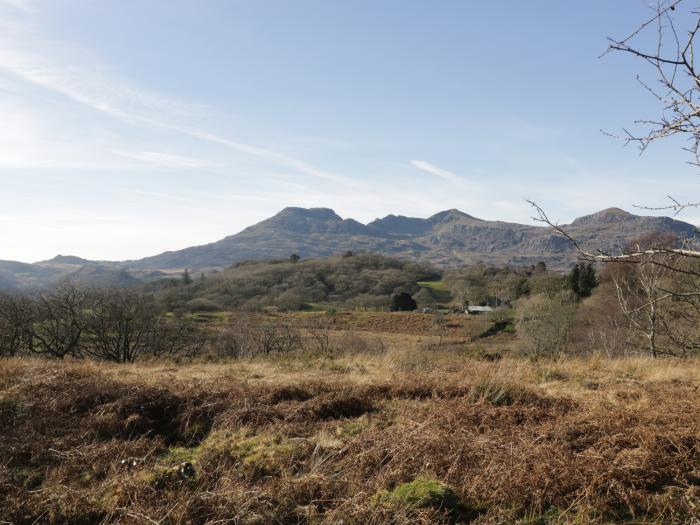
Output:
(133, 127)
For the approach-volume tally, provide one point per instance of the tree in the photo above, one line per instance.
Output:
(294, 258)
(666, 318)
(582, 279)
(120, 325)
(520, 288)
(545, 324)
(403, 302)
(638, 295)
(59, 321)
(16, 317)
(601, 326)
(677, 88)
(186, 279)
(677, 83)
(170, 337)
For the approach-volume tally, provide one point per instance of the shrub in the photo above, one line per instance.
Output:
(403, 302)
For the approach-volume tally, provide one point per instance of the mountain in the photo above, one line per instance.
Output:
(64, 259)
(447, 239)
(16, 275)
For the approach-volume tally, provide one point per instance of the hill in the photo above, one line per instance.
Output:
(448, 239)
(361, 280)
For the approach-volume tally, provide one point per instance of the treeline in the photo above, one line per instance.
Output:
(477, 284)
(122, 325)
(114, 324)
(350, 280)
(644, 304)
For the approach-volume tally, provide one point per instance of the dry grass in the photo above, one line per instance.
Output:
(411, 436)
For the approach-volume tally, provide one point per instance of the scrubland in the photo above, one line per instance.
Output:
(402, 432)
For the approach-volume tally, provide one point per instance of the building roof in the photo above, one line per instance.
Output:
(479, 309)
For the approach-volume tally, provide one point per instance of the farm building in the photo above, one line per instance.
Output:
(478, 310)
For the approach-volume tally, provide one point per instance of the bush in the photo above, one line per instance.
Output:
(403, 302)
(545, 324)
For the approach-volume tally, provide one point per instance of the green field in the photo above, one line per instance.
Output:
(438, 289)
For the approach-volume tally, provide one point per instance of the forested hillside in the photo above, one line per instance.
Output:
(351, 279)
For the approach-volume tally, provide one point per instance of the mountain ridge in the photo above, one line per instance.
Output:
(446, 239)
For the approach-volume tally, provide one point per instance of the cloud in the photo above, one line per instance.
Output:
(30, 138)
(167, 160)
(22, 5)
(85, 80)
(434, 170)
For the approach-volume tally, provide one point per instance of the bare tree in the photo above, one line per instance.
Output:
(318, 337)
(676, 88)
(58, 322)
(247, 336)
(660, 295)
(120, 325)
(642, 296)
(677, 84)
(275, 338)
(545, 324)
(16, 317)
(172, 337)
(638, 293)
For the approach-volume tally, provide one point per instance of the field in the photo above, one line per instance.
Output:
(402, 432)
(439, 290)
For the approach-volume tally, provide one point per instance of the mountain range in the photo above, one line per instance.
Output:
(447, 239)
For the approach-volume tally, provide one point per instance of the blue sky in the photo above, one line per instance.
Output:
(129, 128)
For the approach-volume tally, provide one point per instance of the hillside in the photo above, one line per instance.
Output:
(448, 239)
(361, 280)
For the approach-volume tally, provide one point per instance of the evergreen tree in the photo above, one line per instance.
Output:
(403, 302)
(587, 280)
(582, 279)
(186, 279)
(573, 279)
(294, 258)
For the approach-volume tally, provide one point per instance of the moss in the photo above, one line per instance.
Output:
(421, 493)
(257, 452)
(352, 428)
(177, 455)
(426, 493)
(163, 477)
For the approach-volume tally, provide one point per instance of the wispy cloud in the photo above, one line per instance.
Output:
(438, 172)
(88, 82)
(167, 160)
(22, 5)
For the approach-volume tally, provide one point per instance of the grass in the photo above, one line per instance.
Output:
(449, 439)
(438, 289)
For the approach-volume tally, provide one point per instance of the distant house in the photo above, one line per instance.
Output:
(478, 310)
